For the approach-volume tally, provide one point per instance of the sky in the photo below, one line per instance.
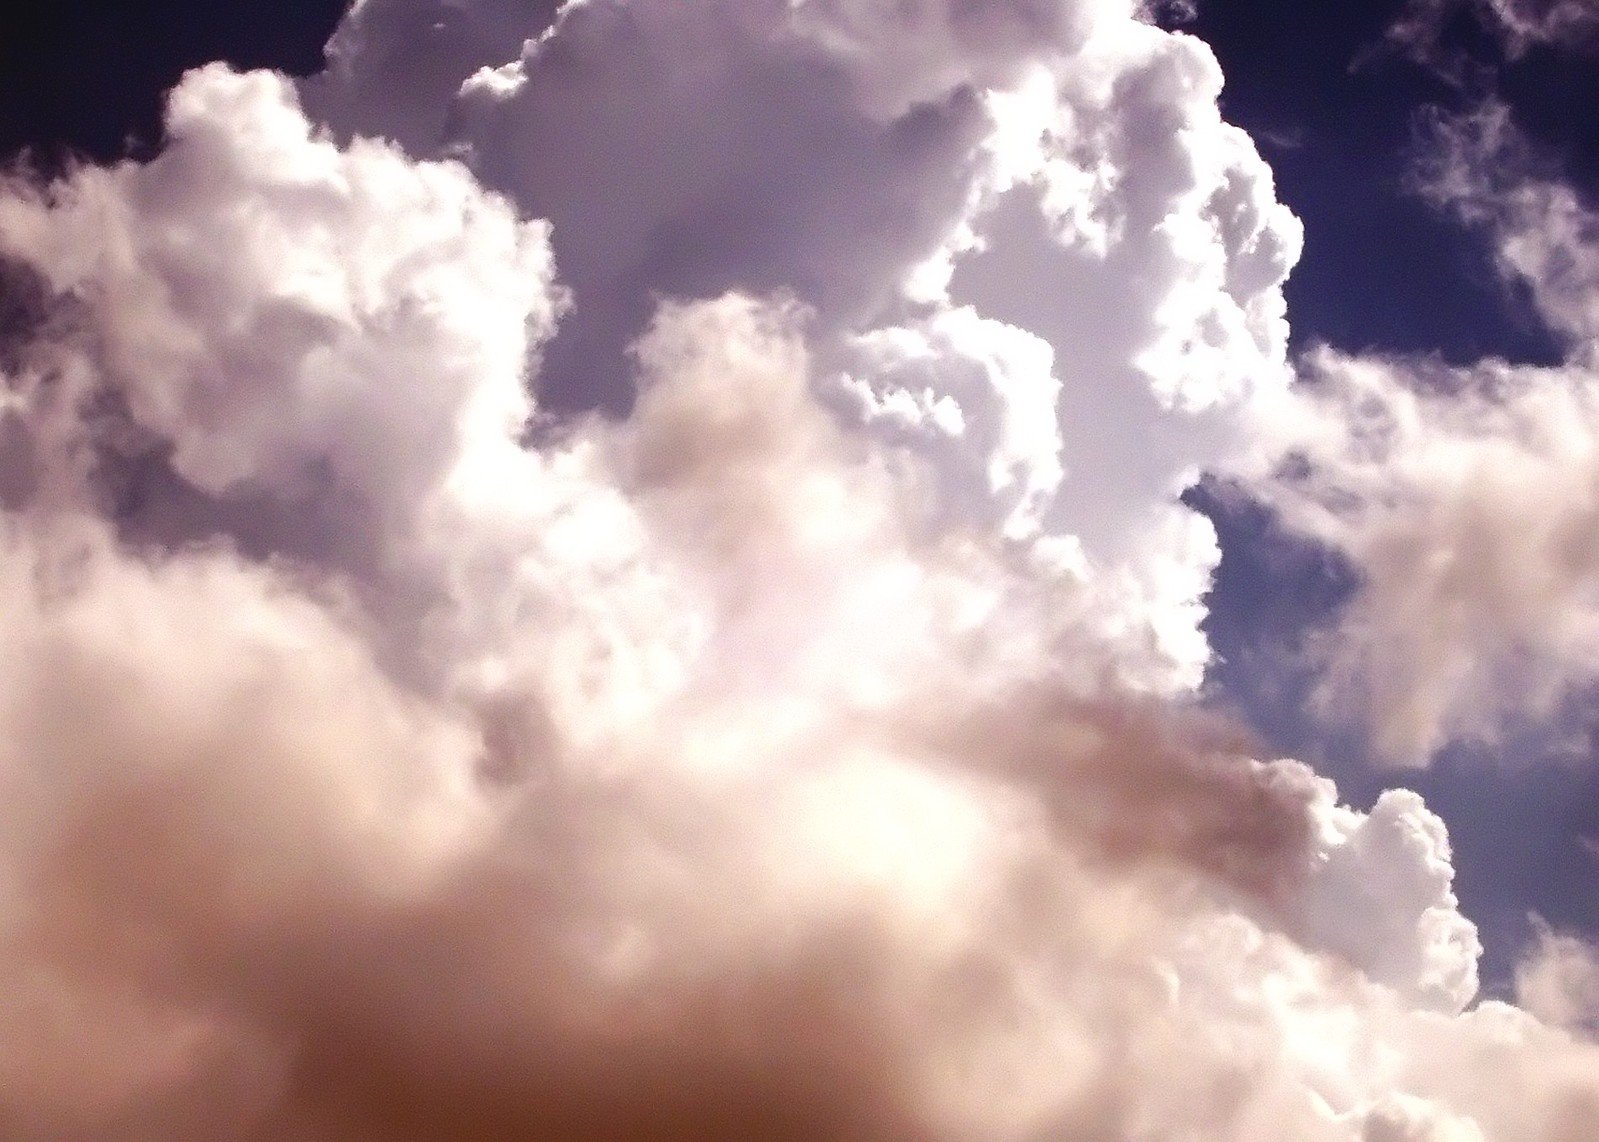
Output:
(849, 569)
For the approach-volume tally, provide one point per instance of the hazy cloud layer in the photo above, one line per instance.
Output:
(1463, 496)
(788, 758)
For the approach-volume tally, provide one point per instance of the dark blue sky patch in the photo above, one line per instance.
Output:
(88, 77)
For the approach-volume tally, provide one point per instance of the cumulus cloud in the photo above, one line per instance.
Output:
(385, 756)
(1382, 893)
(902, 172)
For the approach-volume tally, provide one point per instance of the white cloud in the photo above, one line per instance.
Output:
(989, 394)
(378, 766)
(1382, 895)
(292, 317)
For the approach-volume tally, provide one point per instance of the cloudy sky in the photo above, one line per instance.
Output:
(817, 569)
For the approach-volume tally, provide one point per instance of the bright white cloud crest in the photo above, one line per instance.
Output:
(800, 754)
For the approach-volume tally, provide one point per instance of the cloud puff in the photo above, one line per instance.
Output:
(1559, 980)
(1382, 894)
(905, 173)
(383, 761)
(251, 299)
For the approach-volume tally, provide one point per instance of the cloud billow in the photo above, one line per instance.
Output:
(789, 750)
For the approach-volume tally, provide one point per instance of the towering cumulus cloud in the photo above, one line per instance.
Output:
(643, 597)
